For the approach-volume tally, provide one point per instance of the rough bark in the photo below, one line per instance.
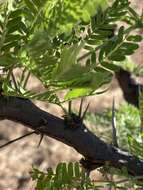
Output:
(80, 138)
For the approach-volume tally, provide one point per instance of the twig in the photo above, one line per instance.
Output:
(17, 139)
(114, 135)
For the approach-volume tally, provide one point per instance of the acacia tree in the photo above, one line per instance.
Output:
(70, 46)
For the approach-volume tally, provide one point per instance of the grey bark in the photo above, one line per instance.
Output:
(81, 138)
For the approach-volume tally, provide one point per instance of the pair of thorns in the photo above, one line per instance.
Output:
(74, 121)
(70, 118)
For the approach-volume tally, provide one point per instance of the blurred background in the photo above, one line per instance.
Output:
(17, 159)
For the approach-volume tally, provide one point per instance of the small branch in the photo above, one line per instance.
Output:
(96, 151)
(17, 139)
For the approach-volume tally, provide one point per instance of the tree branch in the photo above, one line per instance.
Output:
(81, 139)
(129, 87)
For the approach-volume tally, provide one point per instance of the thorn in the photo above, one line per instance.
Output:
(17, 139)
(83, 116)
(14, 81)
(41, 138)
(140, 89)
(69, 107)
(80, 108)
(88, 172)
(114, 135)
(64, 110)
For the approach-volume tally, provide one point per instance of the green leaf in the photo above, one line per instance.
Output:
(70, 169)
(134, 13)
(110, 66)
(59, 169)
(68, 59)
(135, 38)
(31, 6)
(101, 54)
(93, 58)
(12, 37)
(21, 92)
(100, 77)
(77, 170)
(66, 178)
(65, 14)
(39, 44)
(120, 34)
(16, 13)
(7, 60)
(10, 45)
(76, 76)
(102, 33)
(87, 47)
(78, 92)
(92, 42)
(117, 57)
(13, 22)
(88, 83)
(129, 45)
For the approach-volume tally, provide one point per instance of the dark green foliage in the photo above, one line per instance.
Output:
(66, 176)
(72, 177)
(47, 38)
(75, 46)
